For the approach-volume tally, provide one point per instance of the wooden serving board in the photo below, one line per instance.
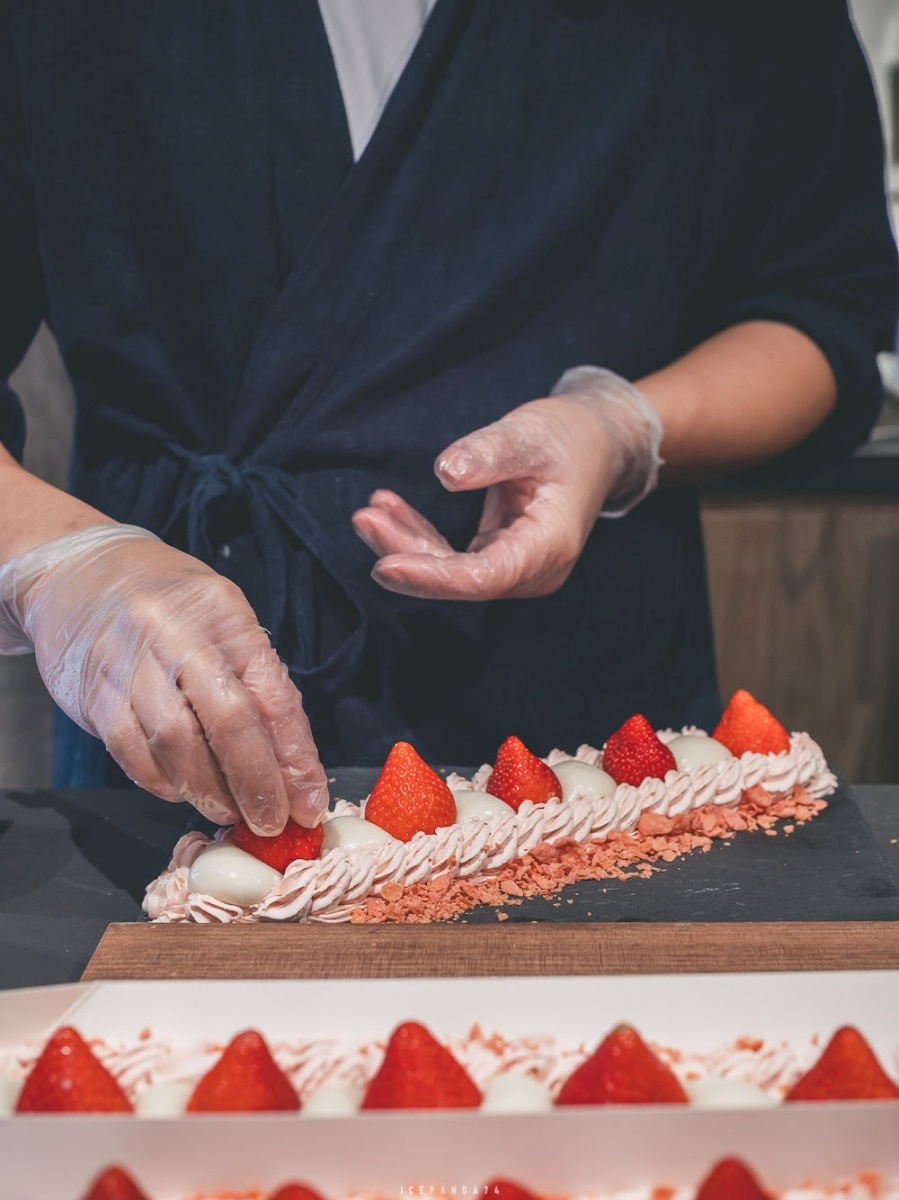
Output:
(144, 951)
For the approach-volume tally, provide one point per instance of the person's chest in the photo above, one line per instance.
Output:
(535, 161)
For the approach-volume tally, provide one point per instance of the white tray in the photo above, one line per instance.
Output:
(54, 1157)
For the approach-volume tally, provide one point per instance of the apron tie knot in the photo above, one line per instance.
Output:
(303, 602)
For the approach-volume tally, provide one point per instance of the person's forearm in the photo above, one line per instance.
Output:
(745, 395)
(33, 512)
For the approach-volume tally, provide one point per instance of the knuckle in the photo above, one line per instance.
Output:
(142, 609)
(275, 693)
(223, 593)
(233, 714)
(168, 735)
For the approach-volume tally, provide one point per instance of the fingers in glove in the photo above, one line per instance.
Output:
(507, 449)
(177, 742)
(514, 563)
(281, 710)
(125, 739)
(391, 526)
(489, 574)
(127, 743)
(229, 716)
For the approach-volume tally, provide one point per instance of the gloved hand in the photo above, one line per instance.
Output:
(164, 660)
(550, 467)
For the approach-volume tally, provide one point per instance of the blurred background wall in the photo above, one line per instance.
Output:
(805, 588)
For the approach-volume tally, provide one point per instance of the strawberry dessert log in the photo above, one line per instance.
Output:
(424, 848)
(416, 1068)
(728, 1179)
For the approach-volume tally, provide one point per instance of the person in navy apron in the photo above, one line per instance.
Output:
(272, 345)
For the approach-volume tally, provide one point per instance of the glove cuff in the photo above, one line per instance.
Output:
(634, 424)
(17, 576)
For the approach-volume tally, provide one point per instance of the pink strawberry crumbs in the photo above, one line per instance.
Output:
(548, 868)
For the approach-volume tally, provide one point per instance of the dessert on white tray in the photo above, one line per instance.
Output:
(520, 1043)
(728, 1179)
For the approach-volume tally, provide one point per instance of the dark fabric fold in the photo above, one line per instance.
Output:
(12, 422)
(250, 521)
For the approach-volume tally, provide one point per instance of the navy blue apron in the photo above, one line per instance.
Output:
(261, 332)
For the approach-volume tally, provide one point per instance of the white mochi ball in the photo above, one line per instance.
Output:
(230, 874)
(479, 804)
(333, 1099)
(353, 833)
(590, 782)
(693, 750)
(163, 1099)
(10, 1088)
(508, 1093)
(713, 1092)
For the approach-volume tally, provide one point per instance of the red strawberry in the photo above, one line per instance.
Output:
(505, 1189)
(114, 1184)
(408, 797)
(417, 1072)
(622, 1070)
(730, 1179)
(293, 842)
(847, 1070)
(68, 1078)
(295, 1191)
(519, 775)
(245, 1079)
(634, 753)
(747, 725)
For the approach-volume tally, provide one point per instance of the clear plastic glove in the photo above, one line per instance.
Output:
(164, 660)
(550, 467)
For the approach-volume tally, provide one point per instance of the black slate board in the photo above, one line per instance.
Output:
(830, 869)
(73, 861)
